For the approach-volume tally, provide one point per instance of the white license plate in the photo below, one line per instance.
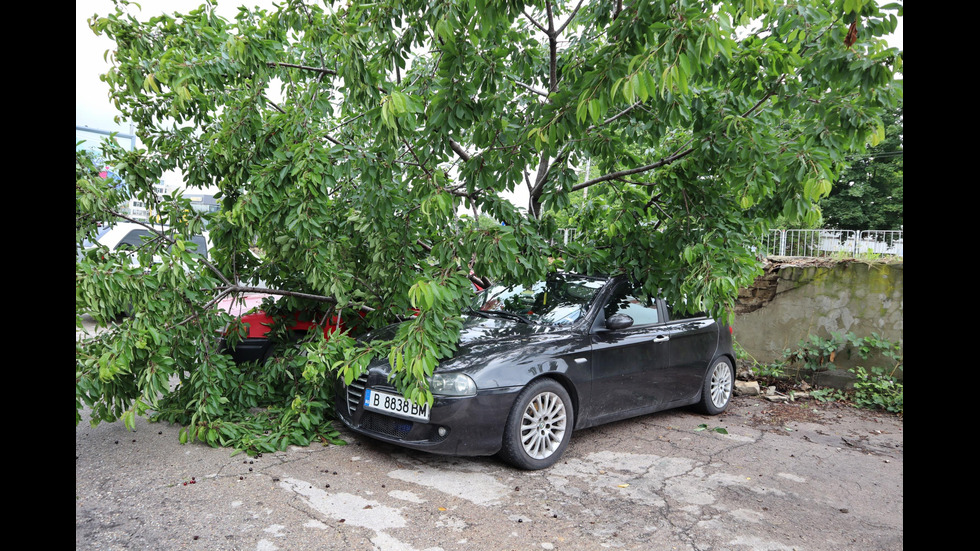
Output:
(395, 405)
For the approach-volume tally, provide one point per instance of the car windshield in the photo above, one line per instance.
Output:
(560, 300)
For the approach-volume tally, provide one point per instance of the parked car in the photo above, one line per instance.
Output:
(535, 363)
(130, 236)
(125, 238)
(256, 346)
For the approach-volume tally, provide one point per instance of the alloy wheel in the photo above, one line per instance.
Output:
(543, 425)
(721, 385)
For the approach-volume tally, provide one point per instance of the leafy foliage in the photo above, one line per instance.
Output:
(876, 387)
(773, 370)
(828, 394)
(95, 195)
(878, 390)
(346, 139)
(869, 193)
(816, 353)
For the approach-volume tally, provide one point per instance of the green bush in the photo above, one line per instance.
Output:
(878, 390)
(817, 353)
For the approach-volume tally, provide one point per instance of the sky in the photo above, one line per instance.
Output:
(92, 106)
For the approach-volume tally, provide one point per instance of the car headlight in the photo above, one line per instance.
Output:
(452, 384)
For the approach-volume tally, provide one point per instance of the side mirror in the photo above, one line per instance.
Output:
(618, 321)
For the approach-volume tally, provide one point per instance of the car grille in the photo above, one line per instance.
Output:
(355, 392)
(383, 424)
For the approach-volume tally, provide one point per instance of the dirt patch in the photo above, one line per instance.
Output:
(775, 415)
(833, 424)
(779, 417)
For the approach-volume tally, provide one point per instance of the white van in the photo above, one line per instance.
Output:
(128, 235)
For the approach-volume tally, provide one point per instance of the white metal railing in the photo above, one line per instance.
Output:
(812, 243)
(833, 242)
(565, 235)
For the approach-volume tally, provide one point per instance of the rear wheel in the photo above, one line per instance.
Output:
(719, 382)
(539, 426)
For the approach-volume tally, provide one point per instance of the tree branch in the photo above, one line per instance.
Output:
(265, 290)
(617, 175)
(166, 238)
(417, 160)
(616, 116)
(459, 150)
(570, 17)
(533, 22)
(274, 105)
(535, 192)
(304, 67)
(672, 158)
(552, 50)
(769, 93)
(531, 89)
(543, 167)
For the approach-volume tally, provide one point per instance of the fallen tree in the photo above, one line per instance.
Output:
(346, 142)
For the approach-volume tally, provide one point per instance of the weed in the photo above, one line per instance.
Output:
(758, 369)
(868, 347)
(817, 353)
(828, 395)
(769, 371)
(878, 390)
(741, 353)
(868, 257)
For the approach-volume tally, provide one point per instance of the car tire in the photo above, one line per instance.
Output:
(719, 384)
(539, 426)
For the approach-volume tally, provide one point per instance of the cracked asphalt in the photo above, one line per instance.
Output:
(802, 476)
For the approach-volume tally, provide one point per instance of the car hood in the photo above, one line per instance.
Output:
(483, 331)
(479, 331)
(489, 340)
(239, 305)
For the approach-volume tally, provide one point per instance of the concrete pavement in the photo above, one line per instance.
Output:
(803, 476)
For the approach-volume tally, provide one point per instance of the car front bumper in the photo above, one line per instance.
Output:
(473, 425)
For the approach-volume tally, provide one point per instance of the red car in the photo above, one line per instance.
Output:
(256, 345)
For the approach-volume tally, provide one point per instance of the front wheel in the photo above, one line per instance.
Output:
(719, 382)
(539, 426)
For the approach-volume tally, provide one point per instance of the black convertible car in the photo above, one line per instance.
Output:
(535, 363)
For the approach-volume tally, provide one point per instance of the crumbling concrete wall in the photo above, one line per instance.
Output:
(795, 299)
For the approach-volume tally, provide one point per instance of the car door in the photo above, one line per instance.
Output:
(628, 364)
(692, 344)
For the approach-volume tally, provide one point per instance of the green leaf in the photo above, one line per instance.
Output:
(685, 64)
(594, 110)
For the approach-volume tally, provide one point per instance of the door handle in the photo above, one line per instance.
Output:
(661, 338)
